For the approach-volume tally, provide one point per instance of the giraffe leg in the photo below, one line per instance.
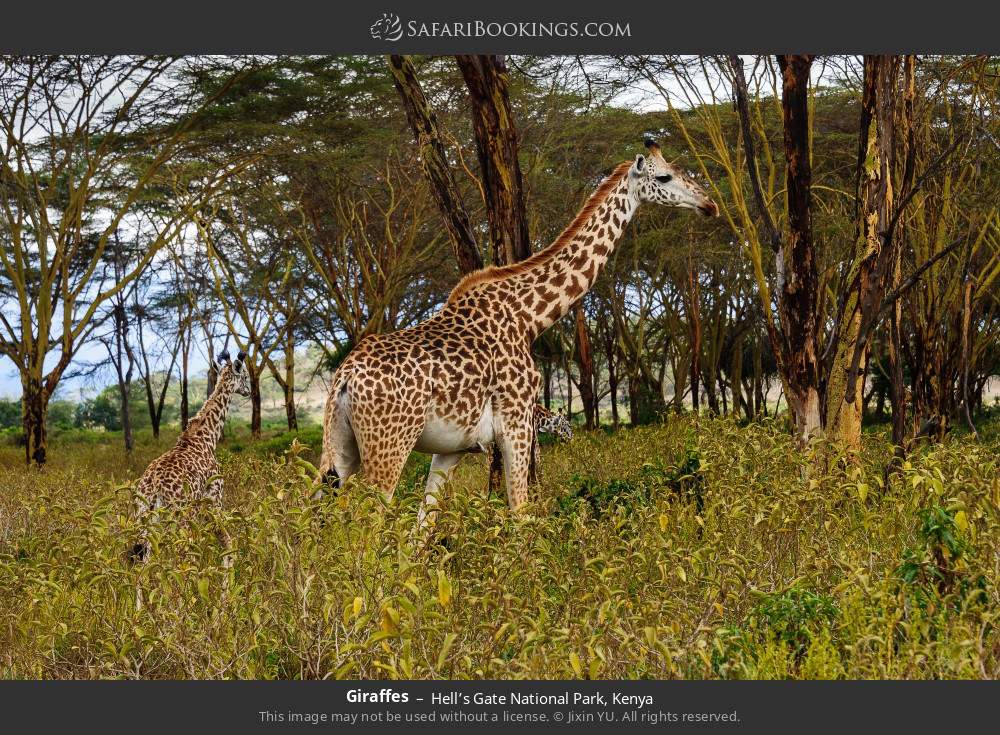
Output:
(140, 551)
(516, 445)
(535, 469)
(382, 467)
(385, 443)
(144, 504)
(442, 466)
(221, 533)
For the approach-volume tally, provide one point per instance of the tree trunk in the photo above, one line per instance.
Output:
(496, 143)
(759, 406)
(434, 162)
(211, 374)
(122, 354)
(291, 415)
(154, 407)
(585, 364)
(711, 394)
(649, 405)
(736, 379)
(874, 253)
(611, 353)
(255, 412)
(880, 405)
(124, 388)
(966, 328)
(694, 311)
(185, 405)
(798, 283)
(154, 417)
(569, 389)
(34, 411)
(897, 384)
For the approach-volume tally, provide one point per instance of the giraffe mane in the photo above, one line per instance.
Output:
(190, 434)
(197, 422)
(494, 273)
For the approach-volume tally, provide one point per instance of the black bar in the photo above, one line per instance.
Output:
(326, 26)
(639, 706)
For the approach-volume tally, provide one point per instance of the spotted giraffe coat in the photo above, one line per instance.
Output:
(550, 422)
(465, 377)
(189, 471)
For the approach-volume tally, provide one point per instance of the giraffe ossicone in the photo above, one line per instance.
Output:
(465, 377)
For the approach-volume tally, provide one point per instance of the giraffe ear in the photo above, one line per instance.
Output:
(224, 357)
(639, 166)
(241, 356)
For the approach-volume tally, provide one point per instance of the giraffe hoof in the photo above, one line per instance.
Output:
(137, 553)
(332, 480)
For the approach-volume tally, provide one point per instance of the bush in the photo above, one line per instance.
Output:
(277, 445)
(781, 573)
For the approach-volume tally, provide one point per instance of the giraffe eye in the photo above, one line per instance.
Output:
(664, 179)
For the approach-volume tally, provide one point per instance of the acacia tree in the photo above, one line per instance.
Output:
(434, 162)
(873, 264)
(117, 339)
(372, 249)
(942, 327)
(81, 140)
(155, 382)
(240, 280)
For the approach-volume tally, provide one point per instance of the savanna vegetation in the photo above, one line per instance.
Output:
(787, 457)
(690, 549)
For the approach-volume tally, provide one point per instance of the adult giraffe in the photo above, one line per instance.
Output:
(465, 377)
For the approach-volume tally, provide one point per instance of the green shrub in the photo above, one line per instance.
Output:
(634, 581)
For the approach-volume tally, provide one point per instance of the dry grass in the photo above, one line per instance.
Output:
(618, 572)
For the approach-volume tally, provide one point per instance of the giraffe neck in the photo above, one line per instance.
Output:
(211, 419)
(568, 268)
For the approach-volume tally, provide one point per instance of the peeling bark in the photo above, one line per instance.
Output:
(799, 288)
(875, 256)
(434, 162)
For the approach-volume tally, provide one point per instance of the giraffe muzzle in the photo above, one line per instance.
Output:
(709, 208)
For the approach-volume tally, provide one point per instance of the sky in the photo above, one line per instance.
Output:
(642, 96)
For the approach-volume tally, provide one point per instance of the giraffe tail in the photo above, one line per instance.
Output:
(327, 476)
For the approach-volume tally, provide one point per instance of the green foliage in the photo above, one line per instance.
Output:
(781, 573)
(104, 410)
(10, 414)
(602, 496)
(936, 570)
(684, 479)
(794, 616)
(275, 446)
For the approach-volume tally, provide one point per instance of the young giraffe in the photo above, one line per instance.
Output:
(548, 422)
(465, 377)
(189, 471)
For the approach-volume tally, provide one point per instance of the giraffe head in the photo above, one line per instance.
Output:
(555, 424)
(653, 179)
(234, 375)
